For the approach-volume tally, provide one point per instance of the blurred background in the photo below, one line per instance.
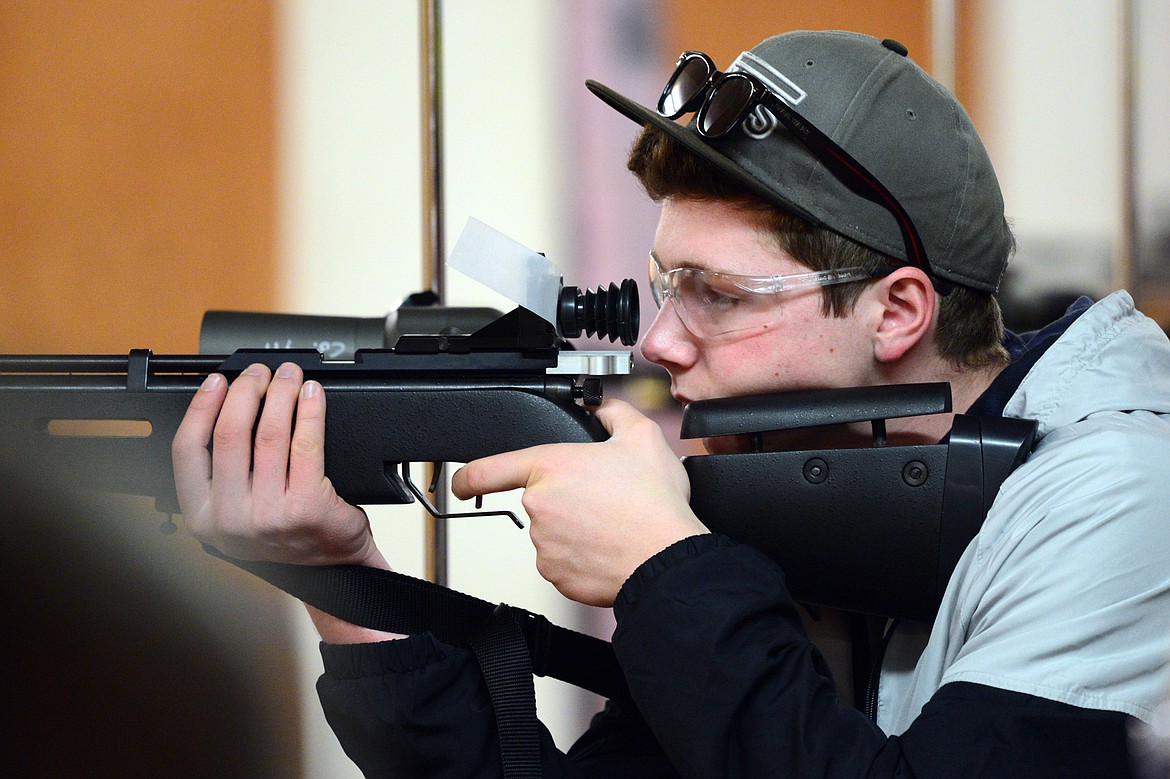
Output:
(159, 158)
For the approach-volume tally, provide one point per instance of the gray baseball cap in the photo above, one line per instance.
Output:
(886, 112)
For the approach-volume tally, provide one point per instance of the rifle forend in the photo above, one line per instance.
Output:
(106, 422)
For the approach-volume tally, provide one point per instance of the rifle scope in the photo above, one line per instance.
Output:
(605, 312)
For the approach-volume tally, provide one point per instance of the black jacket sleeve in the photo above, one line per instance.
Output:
(726, 683)
(419, 708)
(719, 664)
(409, 708)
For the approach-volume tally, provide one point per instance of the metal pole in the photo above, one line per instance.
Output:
(943, 34)
(431, 78)
(1125, 275)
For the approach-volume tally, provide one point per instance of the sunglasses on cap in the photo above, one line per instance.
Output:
(722, 101)
(711, 303)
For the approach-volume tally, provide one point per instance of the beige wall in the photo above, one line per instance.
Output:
(725, 29)
(137, 152)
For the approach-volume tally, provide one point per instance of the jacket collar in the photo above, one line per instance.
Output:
(1025, 350)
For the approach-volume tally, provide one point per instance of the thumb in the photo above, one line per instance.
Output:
(617, 416)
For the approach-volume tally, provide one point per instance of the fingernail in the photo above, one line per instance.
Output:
(309, 390)
(211, 382)
(285, 370)
(255, 369)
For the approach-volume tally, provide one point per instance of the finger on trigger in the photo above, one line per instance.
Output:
(498, 473)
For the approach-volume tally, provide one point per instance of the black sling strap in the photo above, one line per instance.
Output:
(507, 672)
(510, 644)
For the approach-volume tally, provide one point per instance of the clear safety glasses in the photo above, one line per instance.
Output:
(711, 303)
(722, 102)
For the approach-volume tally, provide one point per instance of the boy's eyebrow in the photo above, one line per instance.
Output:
(702, 266)
(696, 265)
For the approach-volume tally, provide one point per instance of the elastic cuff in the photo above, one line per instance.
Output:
(644, 574)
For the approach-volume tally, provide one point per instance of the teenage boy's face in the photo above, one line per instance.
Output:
(801, 349)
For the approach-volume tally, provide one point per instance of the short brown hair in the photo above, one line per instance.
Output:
(970, 325)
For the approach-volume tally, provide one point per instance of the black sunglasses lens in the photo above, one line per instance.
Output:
(725, 106)
(687, 84)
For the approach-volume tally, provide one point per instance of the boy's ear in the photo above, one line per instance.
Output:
(903, 307)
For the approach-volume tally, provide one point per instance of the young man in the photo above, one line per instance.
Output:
(829, 219)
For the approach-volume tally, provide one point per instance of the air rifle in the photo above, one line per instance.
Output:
(875, 530)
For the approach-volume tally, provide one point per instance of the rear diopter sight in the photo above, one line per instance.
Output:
(607, 313)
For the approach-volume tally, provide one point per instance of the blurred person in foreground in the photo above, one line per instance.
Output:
(131, 653)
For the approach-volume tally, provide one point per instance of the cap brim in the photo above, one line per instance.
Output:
(692, 141)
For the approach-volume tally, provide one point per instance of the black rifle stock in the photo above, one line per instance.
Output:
(875, 530)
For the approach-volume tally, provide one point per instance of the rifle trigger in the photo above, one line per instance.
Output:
(434, 512)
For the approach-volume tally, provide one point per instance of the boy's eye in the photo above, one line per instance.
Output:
(713, 291)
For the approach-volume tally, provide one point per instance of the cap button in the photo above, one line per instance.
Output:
(895, 47)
